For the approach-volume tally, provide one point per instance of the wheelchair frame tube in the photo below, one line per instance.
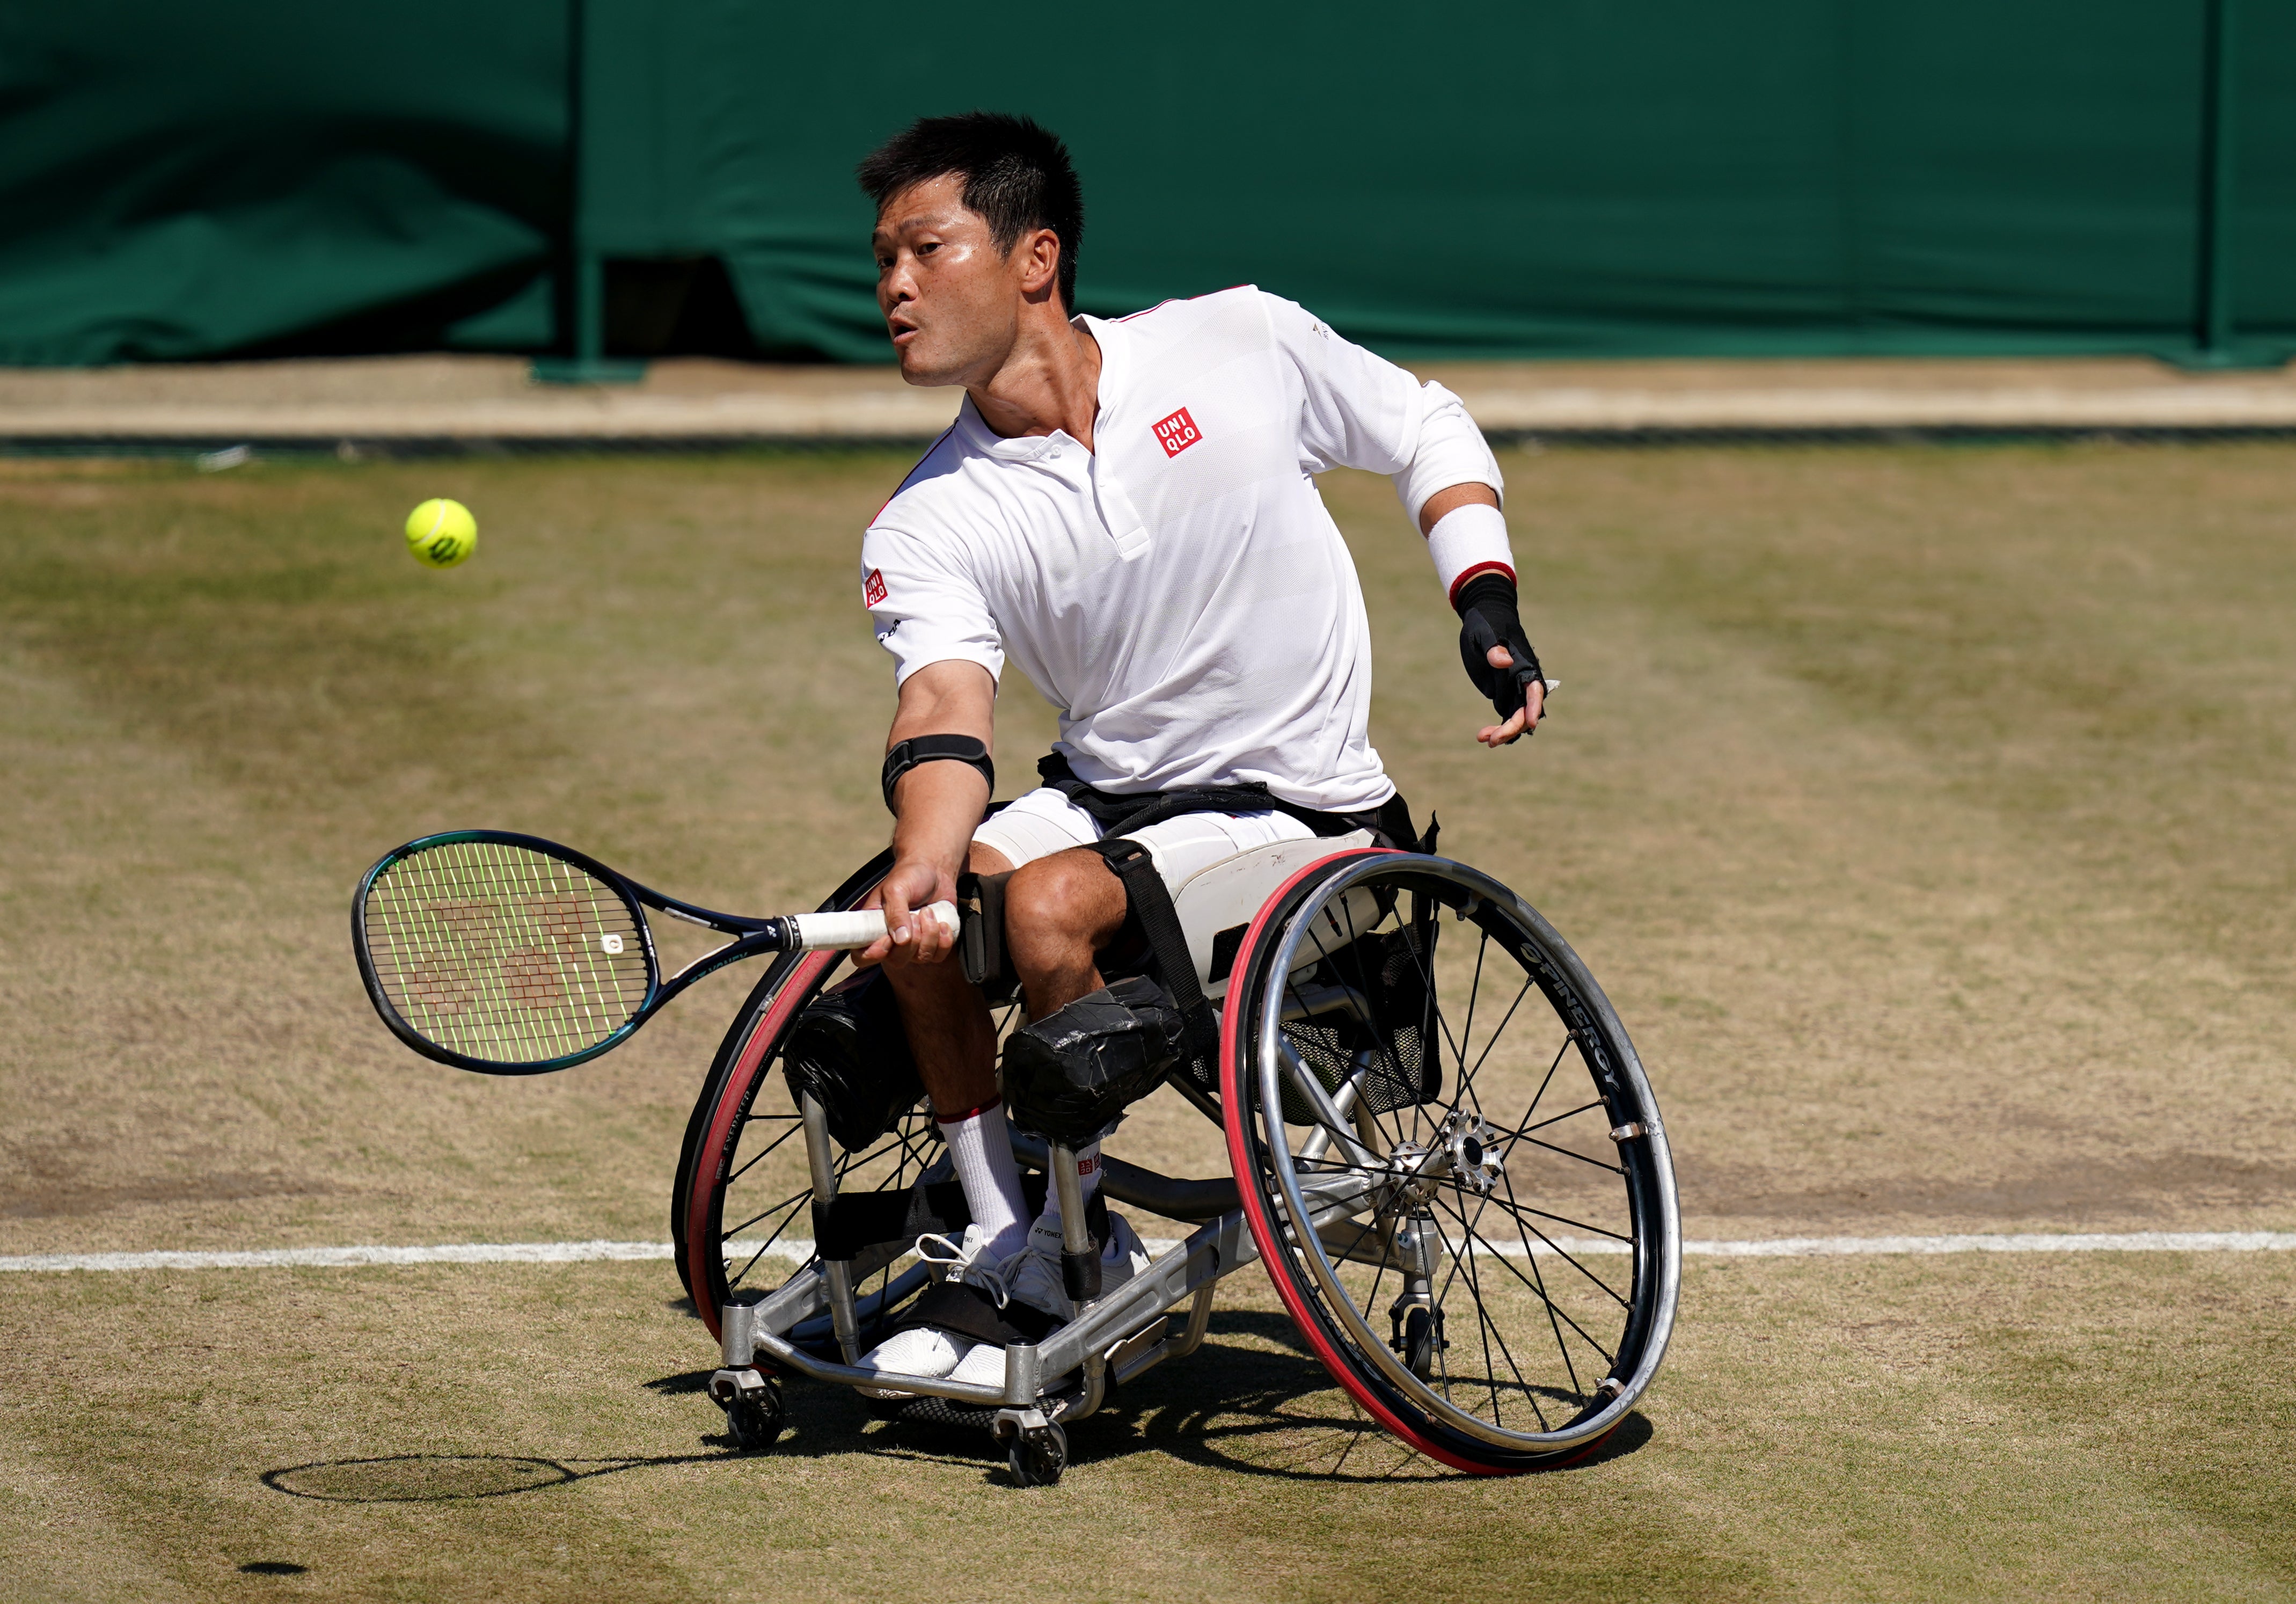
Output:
(837, 1273)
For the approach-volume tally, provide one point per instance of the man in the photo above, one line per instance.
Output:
(1127, 511)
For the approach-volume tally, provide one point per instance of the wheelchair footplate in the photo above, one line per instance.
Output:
(1046, 1385)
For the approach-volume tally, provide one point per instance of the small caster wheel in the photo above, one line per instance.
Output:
(756, 1418)
(1420, 1340)
(1037, 1457)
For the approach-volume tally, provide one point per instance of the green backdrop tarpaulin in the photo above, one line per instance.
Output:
(1563, 178)
(192, 180)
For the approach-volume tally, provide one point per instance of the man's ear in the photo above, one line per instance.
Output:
(1039, 256)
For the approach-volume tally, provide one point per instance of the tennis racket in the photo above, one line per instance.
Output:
(513, 956)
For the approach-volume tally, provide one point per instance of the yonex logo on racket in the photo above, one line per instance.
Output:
(873, 588)
(1178, 433)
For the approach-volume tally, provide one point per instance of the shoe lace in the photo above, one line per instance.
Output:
(968, 1266)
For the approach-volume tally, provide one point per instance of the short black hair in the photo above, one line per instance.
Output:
(1016, 174)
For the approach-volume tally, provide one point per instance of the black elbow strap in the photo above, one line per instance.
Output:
(907, 754)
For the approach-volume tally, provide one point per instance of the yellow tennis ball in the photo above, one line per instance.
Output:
(441, 533)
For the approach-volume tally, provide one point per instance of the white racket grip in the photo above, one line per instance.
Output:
(818, 931)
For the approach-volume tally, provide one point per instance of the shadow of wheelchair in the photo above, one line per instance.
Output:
(1250, 1399)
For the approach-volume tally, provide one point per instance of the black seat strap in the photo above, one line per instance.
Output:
(1150, 901)
(1118, 815)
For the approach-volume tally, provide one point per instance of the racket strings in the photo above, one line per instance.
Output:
(499, 952)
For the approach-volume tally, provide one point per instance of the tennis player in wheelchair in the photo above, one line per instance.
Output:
(1126, 512)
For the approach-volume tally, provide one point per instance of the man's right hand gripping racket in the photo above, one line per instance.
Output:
(512, 956)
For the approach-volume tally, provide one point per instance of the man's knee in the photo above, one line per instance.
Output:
(1059, 906)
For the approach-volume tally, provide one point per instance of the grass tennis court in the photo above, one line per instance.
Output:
(1926, 812)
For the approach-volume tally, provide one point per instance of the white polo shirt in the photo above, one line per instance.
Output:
(1181, 595)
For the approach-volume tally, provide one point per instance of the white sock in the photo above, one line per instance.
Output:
(981, 1144)
(1088, 1161)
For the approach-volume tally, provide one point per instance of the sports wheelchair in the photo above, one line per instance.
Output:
(1444, 1152)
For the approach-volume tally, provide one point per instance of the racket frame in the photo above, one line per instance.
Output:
(753, 937)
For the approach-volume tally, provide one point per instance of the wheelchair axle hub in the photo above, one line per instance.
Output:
(1473, 1146)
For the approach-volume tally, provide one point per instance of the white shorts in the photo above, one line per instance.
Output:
(1044, 822)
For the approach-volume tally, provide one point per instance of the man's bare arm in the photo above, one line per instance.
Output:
(935, 806)
(1451, 501)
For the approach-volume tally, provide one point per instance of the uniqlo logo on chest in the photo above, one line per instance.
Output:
(1178, 433)
(873, 589)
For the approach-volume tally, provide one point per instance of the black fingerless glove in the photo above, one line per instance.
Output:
(1487, 618)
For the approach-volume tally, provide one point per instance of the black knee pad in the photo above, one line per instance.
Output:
(1069, 1076)
(848, 1049)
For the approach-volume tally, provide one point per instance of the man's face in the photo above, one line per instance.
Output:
(952, 300)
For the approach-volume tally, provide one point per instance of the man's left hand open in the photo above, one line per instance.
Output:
(1525, 719)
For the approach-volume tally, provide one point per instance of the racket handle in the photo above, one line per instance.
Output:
(813, 931)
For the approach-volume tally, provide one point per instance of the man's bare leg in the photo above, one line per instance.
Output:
(954, 1041)
(1059, 912)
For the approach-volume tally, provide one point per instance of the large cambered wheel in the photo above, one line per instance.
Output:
(1450, 1159)
(742, 1217)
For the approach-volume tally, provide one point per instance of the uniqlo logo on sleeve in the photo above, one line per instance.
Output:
(1178, 433)
(873, 589)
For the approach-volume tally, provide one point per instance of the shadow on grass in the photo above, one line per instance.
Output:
(430, 1479)
(1259, 1404)
(1250, 1399)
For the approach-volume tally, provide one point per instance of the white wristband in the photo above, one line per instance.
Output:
(1469, 540)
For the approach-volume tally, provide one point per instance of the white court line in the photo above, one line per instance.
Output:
(800, 1250)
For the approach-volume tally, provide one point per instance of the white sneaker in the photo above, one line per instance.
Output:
(1125, 1257)
(1038, 1280)
(925, 1350)
(983, 1367)
(919, 1350)
(1034, 1278)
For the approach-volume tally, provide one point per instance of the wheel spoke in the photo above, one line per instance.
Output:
(1420, 961)
(764, 1247)
(1516, 1210)
(1475, 992)
(1567, 1153)
(1555, 1317)
(1538, 1096)
(1560, 1346)
(1519, 1210)
(789, 1201)
(1382, 1038)
(1467, 1076)
(794, 1129)
(1556, 1119)
(1538, 1288)
(1490, 1330)
(1529, 1391)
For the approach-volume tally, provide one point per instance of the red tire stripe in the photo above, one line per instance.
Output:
(1256, 1214)
(699, 1237)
